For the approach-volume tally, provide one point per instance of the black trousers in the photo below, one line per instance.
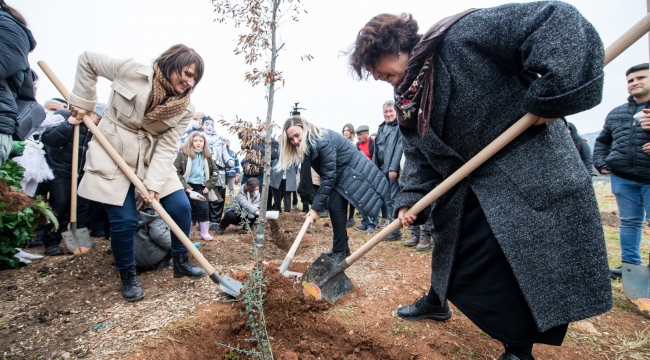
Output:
(59, 188)
(338, 208)
(279, 195)
(232, 218)
(200, 209)
(351, 212)
(483, 287)
(216, 207)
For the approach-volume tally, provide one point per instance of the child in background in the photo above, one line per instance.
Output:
(197, 172)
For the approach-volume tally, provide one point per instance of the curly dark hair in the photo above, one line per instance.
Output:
(383, 34)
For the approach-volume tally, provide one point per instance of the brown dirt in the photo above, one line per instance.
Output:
(610, 218)
(71, 307)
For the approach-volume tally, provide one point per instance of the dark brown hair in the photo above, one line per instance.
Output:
(635, 68)
(13, 12)
(250, 185)
(383, 34)
(176, 58)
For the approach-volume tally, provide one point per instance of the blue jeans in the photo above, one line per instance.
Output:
(124, 222)
(633, 200)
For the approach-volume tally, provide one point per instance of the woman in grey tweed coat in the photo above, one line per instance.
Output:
(519, 246)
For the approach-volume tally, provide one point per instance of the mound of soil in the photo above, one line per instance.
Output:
(299, 326)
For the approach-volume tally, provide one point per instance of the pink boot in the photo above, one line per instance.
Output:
(205, 233)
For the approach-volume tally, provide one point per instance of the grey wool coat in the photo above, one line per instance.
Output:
(348, 171)
(535, 193)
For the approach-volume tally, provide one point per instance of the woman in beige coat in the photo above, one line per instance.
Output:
(148, 110)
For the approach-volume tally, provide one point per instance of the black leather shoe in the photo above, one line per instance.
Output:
(131, 289)
(338, 256)
(421, 309)
(508, 356)
(219, 230)
(184, 267)
(394, 236)
(331, 252)
(616, 273)
(53, 250)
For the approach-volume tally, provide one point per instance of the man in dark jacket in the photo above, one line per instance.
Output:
(622, 150)
(58, 147)
(16, 42)
(387, 156)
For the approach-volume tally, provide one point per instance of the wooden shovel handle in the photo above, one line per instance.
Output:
(73, 174)
(621, 44)
(130, 174)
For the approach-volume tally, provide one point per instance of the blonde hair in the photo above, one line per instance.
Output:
(188, 149)
(351, 128)
(291, 155)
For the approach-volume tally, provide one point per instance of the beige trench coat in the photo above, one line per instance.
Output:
(147, 147)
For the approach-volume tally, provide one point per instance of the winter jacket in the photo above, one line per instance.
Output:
(536, 196)
(389, 135)
(246, 203)
(183, 165)
(345, 169)
(16, 42)
(58, 145)
(618, 147)
(148, 147)
(290, 175)
(371, 147)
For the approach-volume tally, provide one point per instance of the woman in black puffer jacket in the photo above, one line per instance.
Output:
(347, 176)
(16, 42)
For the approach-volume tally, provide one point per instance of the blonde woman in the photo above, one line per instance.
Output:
(197, 172)
(148, 110)
(346, 176)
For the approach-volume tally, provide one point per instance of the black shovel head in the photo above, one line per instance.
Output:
(326, 280)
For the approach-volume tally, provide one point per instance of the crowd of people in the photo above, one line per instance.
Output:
(506, 253)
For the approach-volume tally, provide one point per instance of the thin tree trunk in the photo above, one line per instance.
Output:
(269, 133)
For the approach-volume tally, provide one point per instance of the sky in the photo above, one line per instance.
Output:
(142, 29)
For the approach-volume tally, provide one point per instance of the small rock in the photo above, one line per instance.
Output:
(351, 332)
(587, 327)
(65, 355)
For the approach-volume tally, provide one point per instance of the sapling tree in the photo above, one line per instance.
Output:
(260, 47)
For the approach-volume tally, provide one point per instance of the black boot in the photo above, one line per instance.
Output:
(421, 309)
(184, 267)
(131, 289)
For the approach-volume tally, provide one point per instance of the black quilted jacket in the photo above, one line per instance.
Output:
(58, 146)
(618, 146)
(342, 167)
(16, 41)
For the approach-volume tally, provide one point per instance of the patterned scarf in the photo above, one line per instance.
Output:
(163, 101)
(414, 96)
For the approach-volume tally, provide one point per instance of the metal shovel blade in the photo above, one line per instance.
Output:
(227, 284)
(77, 240)
(83, 238)
(325, 279)
(636, 281)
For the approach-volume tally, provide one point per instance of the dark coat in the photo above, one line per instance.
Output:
(536, 196)
(618, 146)
(58, 145)
(371, 148)
(16, 42)
(392, 149)
(583, 149)
(342, 167)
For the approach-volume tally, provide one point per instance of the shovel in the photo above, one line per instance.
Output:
(287, 260)
(76, 240)
(325, 279)
(636, 281)
(228, 285)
